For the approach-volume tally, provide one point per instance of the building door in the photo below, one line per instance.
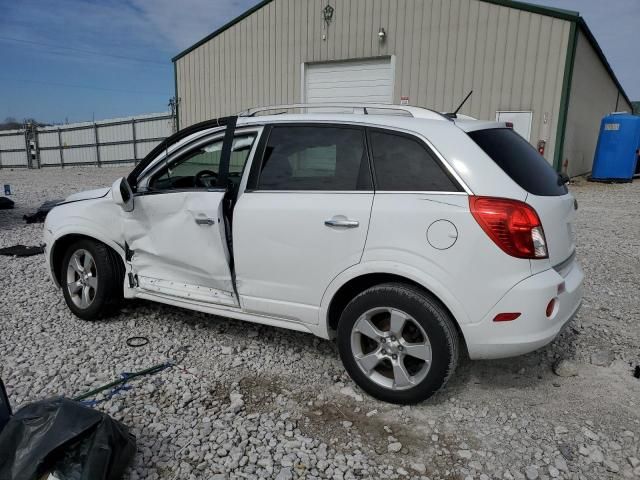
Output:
(521, 122)
(360, 81)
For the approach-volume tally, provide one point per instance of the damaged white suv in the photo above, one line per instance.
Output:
(407, 234)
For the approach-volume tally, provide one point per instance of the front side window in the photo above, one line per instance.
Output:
(315, 158)
(199, 168)
(402, 163)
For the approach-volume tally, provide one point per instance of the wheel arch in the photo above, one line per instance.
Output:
(354, 281)
(62, 243)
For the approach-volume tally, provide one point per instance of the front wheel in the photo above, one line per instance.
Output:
(398, 343)
(92, 279)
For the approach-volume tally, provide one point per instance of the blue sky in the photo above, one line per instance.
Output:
(78, 60)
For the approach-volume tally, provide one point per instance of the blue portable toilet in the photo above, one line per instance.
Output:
(618, 148)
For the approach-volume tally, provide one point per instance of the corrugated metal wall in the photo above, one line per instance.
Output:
(121, 140)
(593, 95)
(512, 59)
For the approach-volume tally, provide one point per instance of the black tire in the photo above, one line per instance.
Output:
(429, 314)
(109, 270)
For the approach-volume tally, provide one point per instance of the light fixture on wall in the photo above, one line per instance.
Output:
(382, 35)
(327, 14)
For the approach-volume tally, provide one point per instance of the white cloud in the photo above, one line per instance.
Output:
(184, 23)
(119, 27)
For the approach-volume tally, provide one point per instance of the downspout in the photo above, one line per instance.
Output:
(177, 100)
(566, 93)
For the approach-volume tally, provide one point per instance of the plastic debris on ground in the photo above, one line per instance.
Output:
(6, 203)
(42, 212)
(62, 439)
(21, 251)
(5, 407)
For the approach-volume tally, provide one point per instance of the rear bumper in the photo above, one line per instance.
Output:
(488, 339)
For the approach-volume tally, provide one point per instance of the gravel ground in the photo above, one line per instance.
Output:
(248, 401)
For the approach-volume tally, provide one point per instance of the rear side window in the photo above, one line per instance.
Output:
(520, 161)
(315, 158)
(402, 163)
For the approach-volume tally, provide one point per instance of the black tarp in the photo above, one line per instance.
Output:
(5, 203)
(62, 436)
(5, 407)
(21, 251)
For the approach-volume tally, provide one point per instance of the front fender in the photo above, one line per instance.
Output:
(99, 219)
(393, 268)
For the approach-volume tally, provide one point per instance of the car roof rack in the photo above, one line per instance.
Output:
(415, 112)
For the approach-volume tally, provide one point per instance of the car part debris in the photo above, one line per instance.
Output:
(42, 211)
(61, 437)
(21, 251)
(120, 384)
(5, 406)
(6, 203)
(136, 342)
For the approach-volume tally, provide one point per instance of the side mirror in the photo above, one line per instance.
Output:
(122, 194)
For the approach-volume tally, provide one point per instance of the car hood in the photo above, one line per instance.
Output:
(87, 195)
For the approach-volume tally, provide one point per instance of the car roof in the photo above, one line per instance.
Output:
(404, 122)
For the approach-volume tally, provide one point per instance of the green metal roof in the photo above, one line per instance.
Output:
(567, 15)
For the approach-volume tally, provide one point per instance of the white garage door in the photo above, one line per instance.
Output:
(363, 81)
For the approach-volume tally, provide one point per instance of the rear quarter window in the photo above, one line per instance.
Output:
(403, 163)
(520, 160)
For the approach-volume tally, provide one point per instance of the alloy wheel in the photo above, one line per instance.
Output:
(82, 278)
(391, 348)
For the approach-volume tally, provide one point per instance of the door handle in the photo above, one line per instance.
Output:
(205, 221)
(339, 222)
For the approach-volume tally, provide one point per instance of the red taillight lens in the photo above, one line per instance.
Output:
(513, 225)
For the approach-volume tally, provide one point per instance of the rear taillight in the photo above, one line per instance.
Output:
(513, 225)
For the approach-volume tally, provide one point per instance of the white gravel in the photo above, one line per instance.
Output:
(249, 401)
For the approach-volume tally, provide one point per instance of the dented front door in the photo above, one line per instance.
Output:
(178, 247)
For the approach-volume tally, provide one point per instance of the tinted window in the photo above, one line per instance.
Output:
(314, 158)
(199, 168)
(520, 161)
(404, 164)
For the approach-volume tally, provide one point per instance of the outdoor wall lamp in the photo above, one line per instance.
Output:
(382, 35)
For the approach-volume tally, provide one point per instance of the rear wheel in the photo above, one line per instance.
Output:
(92, 278)
(398, 343)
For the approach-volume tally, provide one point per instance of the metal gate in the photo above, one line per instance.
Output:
(116, 141)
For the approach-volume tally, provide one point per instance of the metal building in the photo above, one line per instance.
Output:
(539, 67)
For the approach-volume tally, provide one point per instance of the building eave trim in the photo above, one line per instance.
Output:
(226, 26)
(584, 28)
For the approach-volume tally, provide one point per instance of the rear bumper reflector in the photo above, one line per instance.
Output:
(506, 317)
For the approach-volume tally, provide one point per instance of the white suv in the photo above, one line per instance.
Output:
(405, 233)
